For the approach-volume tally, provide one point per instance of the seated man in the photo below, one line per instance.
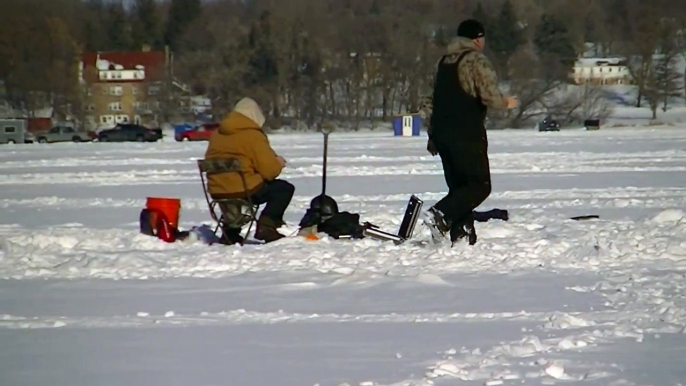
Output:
(240, 136)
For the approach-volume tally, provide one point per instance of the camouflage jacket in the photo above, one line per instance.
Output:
(477, 77)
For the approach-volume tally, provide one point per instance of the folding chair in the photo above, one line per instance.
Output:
(233, 212)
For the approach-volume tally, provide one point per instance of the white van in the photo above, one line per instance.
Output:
(14, 131)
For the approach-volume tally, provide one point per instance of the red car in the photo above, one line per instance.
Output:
(199, 133)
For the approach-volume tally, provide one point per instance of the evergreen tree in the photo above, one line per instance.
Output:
(591, 34)
(441, 37)
(664, 80)
(181, 14)
(146, 24)
(94, 34)
(117, 27)
(263, 59)
(375, 8)
(480, 15)
(505, 36)
(554, 47)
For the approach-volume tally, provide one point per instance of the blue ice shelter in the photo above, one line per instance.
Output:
(408, 125)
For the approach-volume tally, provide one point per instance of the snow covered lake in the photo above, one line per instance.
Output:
(541, 299)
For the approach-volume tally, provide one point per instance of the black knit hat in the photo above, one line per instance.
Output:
(471, 29)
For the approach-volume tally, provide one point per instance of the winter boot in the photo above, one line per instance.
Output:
(267, 230)
(437, 223)
(231, 236)
(471, 229)
(464, 230)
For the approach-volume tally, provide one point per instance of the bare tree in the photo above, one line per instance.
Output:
(40, 56)
(534, 83)
(352, 60)
(214, 60)
(572, 103)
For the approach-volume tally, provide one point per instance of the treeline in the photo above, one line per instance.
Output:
(354, 60)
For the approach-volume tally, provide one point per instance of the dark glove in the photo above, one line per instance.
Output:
(431, 148)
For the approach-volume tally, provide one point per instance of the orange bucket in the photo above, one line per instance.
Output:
(170, 207)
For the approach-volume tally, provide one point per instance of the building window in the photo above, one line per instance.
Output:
(106, 119)
(115, 90)
(137, 119)
(115, 106)
(105, 91)
(90, 107)
(122, 119)
(134, 90)
(153, 90)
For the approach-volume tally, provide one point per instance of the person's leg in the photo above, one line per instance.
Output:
(435, 217)
(231, 236)
(457, 162)
(452, 179)
(476, 189)
(277, 194)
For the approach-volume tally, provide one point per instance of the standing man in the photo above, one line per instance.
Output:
(465, 86)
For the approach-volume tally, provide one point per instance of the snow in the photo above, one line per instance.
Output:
(540, 299)
(593, 62)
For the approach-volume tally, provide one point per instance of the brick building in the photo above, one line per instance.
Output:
(123, 87)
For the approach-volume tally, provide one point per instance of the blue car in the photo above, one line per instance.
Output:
(182, 128)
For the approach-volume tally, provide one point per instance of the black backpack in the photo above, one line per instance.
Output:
(342, 224)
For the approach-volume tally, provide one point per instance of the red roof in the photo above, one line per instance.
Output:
(153, 61)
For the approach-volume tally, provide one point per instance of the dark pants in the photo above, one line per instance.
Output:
(277, 194)
(468, 175)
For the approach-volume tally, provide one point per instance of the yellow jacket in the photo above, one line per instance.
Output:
(241, 137)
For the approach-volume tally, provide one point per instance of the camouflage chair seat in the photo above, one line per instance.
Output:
(227, 212)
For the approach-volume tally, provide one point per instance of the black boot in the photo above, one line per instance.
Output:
(464, 230)
(471, 230)
(231, 236)
(437, 223)
(267, 230)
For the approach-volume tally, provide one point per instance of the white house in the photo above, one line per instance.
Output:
(601, 71)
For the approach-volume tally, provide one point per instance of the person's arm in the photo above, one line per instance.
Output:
(425, 110)
(267, 163)
(486, 83)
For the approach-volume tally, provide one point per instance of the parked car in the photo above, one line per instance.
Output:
(198, 133)
(548, 124)
(128, 132)
(592, 124)
(64, 134)
(181, 128)
(14, 131)
(29, 137)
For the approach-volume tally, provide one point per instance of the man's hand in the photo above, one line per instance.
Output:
(281, 160)
(512, 102)
(431, 148)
